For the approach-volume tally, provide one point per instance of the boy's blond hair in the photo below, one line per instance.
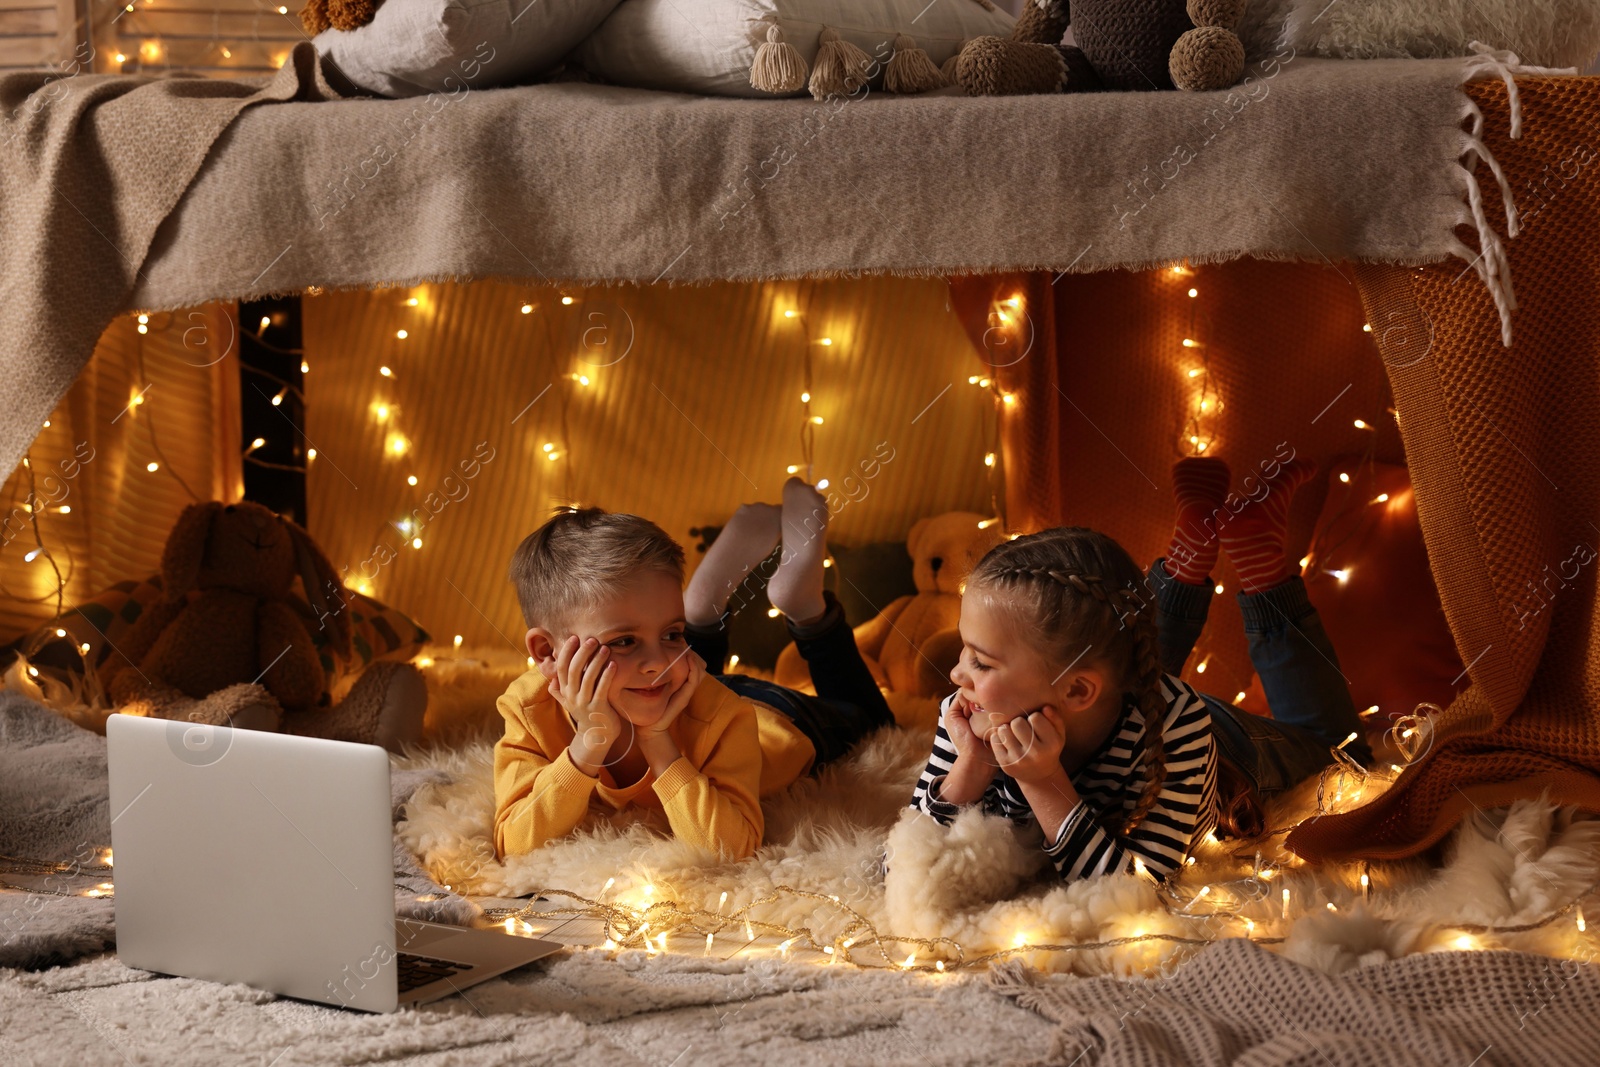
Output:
(579, 557)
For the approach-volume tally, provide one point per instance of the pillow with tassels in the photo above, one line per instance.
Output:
(771, 48)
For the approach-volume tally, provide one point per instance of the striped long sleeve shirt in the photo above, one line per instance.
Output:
(1110, 783)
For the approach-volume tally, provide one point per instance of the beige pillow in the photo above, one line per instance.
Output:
(412, 47)
(708, 46)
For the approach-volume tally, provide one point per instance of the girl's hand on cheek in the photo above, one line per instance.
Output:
(1028, 748)
(958, 724)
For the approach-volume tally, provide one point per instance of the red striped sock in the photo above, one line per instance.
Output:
(1200, 486)
(1255, 536)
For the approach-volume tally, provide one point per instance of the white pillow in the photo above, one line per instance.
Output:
(413, 47)
(707, 46)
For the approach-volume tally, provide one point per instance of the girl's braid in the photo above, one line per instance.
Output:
(1126, 605)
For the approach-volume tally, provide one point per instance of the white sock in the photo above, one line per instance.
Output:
(745, 541)
(796, 587)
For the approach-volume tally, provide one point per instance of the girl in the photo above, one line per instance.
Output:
(1070, 714)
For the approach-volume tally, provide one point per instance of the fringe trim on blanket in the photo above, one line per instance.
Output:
(1490, 262)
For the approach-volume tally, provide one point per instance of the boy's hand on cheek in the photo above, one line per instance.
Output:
(1028, 748)
(581, 684)
(679, 698)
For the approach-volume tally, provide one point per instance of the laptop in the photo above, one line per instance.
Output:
(268, 859)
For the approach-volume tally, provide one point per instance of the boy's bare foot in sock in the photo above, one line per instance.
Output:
(1254, 538)
(746, 540)
(796, 587)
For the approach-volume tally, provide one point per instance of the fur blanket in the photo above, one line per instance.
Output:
(987, 887)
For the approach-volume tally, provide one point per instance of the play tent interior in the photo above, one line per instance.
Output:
(1032, 328)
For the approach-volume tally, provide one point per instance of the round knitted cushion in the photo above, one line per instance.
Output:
(1129, 41)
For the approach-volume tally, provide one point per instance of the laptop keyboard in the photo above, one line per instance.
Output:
(415, 971)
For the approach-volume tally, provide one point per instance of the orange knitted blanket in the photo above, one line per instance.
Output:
(1504, 450)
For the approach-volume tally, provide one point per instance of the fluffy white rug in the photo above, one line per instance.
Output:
(983, 886)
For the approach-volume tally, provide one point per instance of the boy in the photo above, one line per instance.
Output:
(620, 708)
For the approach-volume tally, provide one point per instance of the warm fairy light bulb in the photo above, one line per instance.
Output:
(305, 368)
(983, 382)
(416, 542)
(1285, 902)
(583, 379)
(909, 961)
(609, 881)
(1195, 373)
(1303, 561)
(1366, 327)
(817, 419)
(396, 443)
(984, 524)
(972, 379)
(805, 398)
(1373, 710)
(411, 302)
(457, 642)
(791, 313)
(1465, 943)
(566, 300)
(792, 468)
(733, 661)
(1238, 696)
(311, 453)
(1008, 398)
(822, 483)
(152, 467)
(709, 938)
(278, 399)
(1019, 940)
(773, 613)
(1381, 498)
(527, 309)
(1341, 574)
(1360, 424)
(825, 341)
(829, 561)
(266, 320)
(1201, 668)
(988, 459)
(1194, 293)
(411, 480)
(549, 446)
(385, 371)
(1015, 301)
(1581, 925)
(1219, 588)
(1189, 342)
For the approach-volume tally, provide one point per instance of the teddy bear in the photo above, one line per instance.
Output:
(1120, 45)
(912, 644)
(227, 645)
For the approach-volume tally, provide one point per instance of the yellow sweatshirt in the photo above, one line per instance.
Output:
(735, 751)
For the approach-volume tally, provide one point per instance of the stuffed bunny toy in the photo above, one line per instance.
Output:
(229, 642)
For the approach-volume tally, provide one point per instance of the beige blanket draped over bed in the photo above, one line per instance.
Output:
(124, 193)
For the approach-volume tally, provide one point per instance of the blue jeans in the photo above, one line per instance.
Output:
(848, 705)
(1307, 692)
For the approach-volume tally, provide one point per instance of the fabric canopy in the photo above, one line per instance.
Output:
(130, 193)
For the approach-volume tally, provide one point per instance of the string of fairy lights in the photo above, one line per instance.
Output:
(652, 919)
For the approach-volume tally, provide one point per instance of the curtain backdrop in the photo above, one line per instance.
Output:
(693, 405)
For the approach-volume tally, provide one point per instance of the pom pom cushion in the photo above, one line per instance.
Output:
(412, 47)
(709, 46)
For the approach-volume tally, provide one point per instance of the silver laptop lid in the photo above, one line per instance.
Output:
(254, 857)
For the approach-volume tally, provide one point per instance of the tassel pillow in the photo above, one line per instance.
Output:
(768, 48)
